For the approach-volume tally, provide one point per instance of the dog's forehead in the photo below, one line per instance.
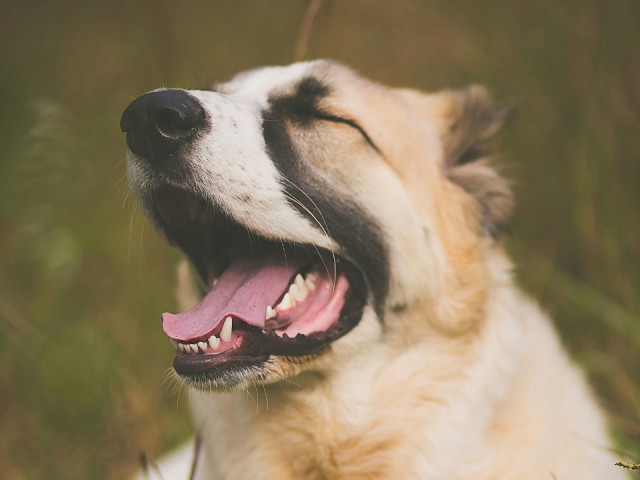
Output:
(260, 83)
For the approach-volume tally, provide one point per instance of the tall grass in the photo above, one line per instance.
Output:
(83, 277)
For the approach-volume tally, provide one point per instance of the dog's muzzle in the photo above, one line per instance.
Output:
(159, 124)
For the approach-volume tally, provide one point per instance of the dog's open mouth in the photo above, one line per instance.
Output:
(260, 297)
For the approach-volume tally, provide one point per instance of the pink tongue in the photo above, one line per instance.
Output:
(243, 291)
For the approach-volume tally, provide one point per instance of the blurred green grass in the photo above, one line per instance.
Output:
(83, 278)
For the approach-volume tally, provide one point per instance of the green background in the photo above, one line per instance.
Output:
(83, 277)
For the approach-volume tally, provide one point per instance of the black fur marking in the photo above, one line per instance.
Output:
(345, 221)
(303, 107)
(308, 94)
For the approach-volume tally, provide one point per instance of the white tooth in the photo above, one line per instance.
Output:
(214, 342)
(271, 313)
(297, 294)
(225, 334)
(203, 346)
(193, 347)
(300, 282)
(181, 347)
(285, 304)
(310, 284)
(301, 290)
(174, 343)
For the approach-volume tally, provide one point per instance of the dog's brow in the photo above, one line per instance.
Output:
(304, 104)
(307, 95)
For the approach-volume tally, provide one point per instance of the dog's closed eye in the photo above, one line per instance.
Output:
(330, 117)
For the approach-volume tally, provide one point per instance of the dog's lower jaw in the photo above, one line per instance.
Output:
(400, 414)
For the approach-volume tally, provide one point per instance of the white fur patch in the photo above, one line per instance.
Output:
(233, 170)
(230, 164)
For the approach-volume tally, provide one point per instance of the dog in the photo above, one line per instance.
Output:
(348, 310)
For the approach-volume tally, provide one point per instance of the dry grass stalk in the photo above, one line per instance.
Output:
(306, 29)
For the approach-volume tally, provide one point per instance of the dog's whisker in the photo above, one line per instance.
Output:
(326, 267)
(289, 380)
(325, 229)
(333, 255)
(167, 375)
(141, 239)
(247, 394)
(132, 214)
(266, 396)
(255, 388)
(126, 197)
(284, 251)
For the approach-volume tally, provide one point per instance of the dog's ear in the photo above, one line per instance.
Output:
(471, 121)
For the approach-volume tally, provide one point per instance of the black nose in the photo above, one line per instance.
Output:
(158, 123)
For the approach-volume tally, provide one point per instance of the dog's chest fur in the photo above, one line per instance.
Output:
(425, 412)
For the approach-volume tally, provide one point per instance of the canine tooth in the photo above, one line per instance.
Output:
(286, 302)
(181, 347)
(214, 342)
(225, 334)
(203, 346)
(174, 343)
(271, 313)
(193, 347)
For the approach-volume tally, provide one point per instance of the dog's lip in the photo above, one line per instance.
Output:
(253, 346)
(250, 347)
(186, 364)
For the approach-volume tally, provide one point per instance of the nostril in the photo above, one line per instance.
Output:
(159, 123)
(172, 123)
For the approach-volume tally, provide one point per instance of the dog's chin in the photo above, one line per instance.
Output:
(242, 376)
(268, 308)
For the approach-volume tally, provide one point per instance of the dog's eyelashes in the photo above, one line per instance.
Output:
(329, 117)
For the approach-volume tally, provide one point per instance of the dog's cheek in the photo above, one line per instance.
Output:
(411, 235)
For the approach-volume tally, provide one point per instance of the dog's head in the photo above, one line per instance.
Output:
(322, 215)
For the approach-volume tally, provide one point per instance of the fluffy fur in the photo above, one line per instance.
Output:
(454, 373)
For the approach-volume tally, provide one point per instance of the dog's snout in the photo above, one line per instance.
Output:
(158, 123)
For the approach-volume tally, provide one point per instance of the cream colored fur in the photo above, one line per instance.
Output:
(506, 404)
(465, 378)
